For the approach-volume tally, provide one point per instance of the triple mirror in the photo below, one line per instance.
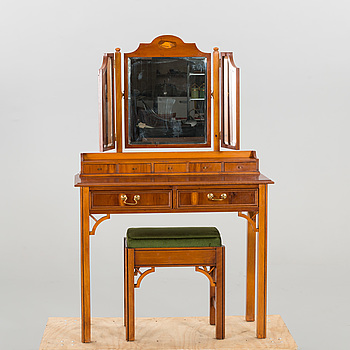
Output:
(167, 97)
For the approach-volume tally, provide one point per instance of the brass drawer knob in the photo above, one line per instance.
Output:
(124, 198)
(223, 196)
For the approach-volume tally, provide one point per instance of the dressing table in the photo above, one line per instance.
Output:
(170, 143)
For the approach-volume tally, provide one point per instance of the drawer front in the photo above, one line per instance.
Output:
(218, 198)
(239, 167)
(135, 168)
(130, 200)
(99, 168)
(170, 167)
(208, 167)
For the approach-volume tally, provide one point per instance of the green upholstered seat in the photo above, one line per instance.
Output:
(172, 237)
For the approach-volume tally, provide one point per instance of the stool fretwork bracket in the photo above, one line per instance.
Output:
(250, 218)
(207, 271)
(142, 275)
(97, 222)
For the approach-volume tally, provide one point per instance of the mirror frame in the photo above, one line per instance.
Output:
(167, 46)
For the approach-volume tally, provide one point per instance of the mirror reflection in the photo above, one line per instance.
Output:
(167, 100)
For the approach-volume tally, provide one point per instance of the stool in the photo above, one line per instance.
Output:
(199, 247)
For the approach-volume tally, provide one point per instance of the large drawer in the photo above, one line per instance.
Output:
(130, 200)
(214, 198)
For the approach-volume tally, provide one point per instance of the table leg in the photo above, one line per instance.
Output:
(85, 266)
(251, 253)
(262, 263)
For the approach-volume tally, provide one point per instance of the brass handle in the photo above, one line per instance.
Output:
(223, 196)
(124, 198)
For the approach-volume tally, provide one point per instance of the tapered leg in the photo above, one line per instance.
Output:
(251, 253)
(85, 266)
(212, 305)
(130, 318)
(262, 263)
(220, 293)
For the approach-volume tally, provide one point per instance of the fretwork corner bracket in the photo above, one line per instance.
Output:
(251, 218)
(207, 271)
(97, 222)
(142, 275)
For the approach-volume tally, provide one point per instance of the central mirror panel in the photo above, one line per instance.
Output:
(167, 101)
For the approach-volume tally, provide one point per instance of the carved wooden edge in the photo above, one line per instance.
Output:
(97, 222)
(229, 54)
(166, 45)
(142, 275)
(250, 220)
(207, 271)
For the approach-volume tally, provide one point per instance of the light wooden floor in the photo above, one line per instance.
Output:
(166, 333)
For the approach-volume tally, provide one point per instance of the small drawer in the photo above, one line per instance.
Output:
(135, 168)
(218, 198)
(130, 200)
(99, 168)
(209, 167)
(170, 167)
(239, 167)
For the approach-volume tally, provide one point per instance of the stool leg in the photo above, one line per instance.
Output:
(130, 318)
(220, 293)
(212, 305)
(125, 286)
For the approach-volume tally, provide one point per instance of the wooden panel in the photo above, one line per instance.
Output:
(234, 198)
(239, 167)
(171, 257)
(112, 200)
(166, 180)
(134, 168)
(174, 156)
(230, 102)
(170, 167)
(99, 168)
(118, 99)
(205, 167)
(216, 65)
(166, 333)
(106, 103)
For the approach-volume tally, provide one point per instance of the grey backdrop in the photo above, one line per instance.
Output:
(294, 58)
